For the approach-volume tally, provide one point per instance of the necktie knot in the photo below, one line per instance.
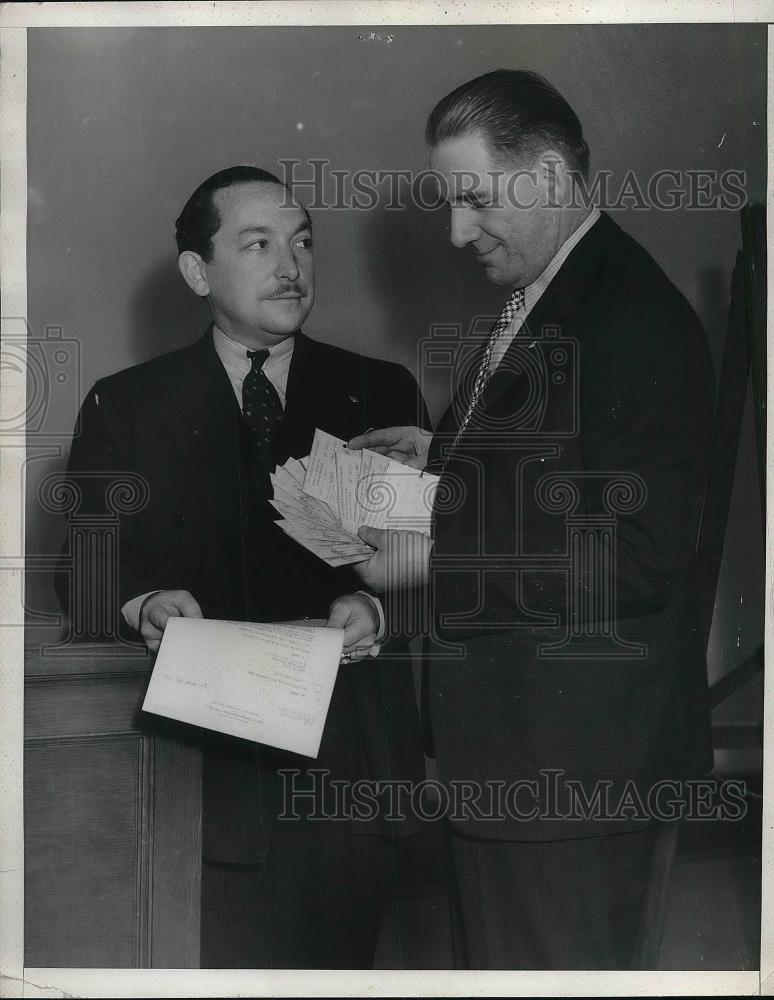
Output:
(258, 358)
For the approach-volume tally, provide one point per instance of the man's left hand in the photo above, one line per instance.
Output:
(355, 614)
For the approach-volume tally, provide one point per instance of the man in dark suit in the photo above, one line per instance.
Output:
(203, 427)
(565, 673)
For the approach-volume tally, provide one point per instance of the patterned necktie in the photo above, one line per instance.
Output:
(512, 306)
(261, 406)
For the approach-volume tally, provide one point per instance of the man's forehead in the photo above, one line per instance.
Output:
(258, 203)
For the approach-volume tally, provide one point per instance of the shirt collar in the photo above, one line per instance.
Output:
(234, 355)
(533, 292)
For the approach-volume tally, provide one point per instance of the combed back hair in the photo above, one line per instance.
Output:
(518, 112)
(200, 219)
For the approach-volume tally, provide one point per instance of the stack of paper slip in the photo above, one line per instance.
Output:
(326, 497)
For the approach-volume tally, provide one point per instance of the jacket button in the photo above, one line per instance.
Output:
(178, 520)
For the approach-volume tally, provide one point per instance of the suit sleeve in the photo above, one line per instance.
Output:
(650, 414)
(646, 410)
(101, 473)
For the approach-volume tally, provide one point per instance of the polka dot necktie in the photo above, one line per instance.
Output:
(514, 303)
(261, 406)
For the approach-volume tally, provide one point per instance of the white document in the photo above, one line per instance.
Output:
(320, 480)
(347, 479)
(331, 544)
(284, 478)
(297, 469)
(398, 497)
(270, 683)
(327, 497)
(301, 504)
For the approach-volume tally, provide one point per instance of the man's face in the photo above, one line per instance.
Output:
(261, 276)
(501, 209)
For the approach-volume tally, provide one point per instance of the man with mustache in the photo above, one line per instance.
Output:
(566, 665)
(204, 426)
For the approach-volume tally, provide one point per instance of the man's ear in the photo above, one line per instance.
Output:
(553, 174)
(194, 270)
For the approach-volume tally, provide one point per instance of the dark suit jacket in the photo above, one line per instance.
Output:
(207, 528)
(611, 375)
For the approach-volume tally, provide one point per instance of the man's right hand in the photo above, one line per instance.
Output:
(159, 608)
(408, 445)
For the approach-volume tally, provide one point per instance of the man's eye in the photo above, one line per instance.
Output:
(258, 245)
(305, 242)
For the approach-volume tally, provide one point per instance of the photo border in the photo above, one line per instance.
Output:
(15, 979)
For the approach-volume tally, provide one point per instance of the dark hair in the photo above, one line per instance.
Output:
(200, 219)
(518, 112)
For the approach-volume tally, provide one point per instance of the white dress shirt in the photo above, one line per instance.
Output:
(233, 356)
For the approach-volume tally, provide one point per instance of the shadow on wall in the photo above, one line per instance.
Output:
(165, 313)
(713, 307)
(420, 281)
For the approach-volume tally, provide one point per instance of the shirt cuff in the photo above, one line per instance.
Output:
(376, 604)
(131, 610)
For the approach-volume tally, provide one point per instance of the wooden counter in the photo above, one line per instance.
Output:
(112, 806)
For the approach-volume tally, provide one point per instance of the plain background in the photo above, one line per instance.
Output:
(123, 124)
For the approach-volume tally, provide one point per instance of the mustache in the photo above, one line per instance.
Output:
(289, 288)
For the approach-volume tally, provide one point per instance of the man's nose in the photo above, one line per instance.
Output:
(464, 229)
(287, 265)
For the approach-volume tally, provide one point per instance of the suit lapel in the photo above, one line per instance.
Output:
(201, 415)
(199, 412)
(467, 363)
(552, 318)
(554, 311)
(303, 387)
(318, 394)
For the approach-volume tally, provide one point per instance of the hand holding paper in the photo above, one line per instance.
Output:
(268, 683)
(355, 615)
(157, 609)
(401, 560)
(344, 490)
(409, 445)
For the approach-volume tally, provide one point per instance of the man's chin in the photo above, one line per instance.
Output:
(496, 276)
(287, 319)
(503, 272)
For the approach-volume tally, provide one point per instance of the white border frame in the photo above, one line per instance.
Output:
(15, 980)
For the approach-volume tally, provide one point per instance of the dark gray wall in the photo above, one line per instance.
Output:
(124, 123)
